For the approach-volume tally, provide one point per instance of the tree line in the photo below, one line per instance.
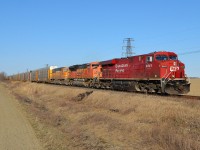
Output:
(2, 75)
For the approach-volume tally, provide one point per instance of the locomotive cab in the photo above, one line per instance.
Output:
(170, 66)
(172, 73)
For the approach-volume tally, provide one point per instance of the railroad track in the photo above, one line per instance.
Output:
(186, 97)
(189, 97)
(140, 93)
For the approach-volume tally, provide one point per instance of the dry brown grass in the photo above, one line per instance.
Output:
(70, 118)
(195, 87)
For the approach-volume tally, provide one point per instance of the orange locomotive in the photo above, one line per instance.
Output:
(60, 75)
(85, 74)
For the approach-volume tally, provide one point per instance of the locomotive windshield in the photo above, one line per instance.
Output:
(172, 57)
(161, 57)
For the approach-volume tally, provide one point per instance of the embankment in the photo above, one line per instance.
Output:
(80, 118)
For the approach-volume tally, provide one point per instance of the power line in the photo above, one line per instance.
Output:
(191, 52)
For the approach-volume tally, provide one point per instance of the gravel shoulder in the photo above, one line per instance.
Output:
(15, 131)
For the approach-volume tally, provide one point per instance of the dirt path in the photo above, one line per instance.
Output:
(15, 131)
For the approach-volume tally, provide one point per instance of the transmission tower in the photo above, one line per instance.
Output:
(128, 47)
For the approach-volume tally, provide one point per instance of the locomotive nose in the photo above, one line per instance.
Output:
(176, 89)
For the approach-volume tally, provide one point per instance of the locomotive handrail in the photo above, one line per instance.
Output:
(168, 75)
(163, 81)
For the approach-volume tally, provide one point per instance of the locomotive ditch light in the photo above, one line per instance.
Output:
(173, 77)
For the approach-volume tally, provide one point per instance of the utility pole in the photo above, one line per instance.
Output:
(128, 47)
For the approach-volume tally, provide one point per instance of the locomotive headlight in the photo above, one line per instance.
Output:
(174, 63)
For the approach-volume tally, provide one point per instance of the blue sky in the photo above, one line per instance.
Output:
(34, 33)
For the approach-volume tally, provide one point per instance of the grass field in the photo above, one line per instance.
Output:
(78, 118)
(195, 87)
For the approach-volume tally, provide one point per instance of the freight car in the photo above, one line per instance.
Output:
(42, 74)
(157, 72)
(20, 77)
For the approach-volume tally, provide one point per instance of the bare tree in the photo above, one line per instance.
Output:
(2, 76)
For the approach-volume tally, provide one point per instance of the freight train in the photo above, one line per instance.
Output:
(156, 72)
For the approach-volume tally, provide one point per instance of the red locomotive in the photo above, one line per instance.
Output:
(154, 72)
(157, 72)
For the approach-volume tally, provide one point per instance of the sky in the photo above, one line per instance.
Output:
(34, 33)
